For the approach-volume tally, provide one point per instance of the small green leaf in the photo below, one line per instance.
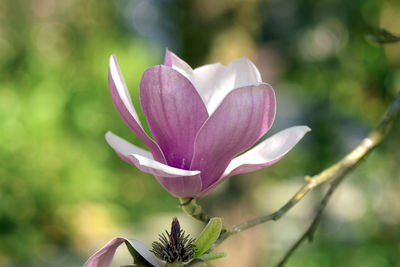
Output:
(208, 236)
(212, 256)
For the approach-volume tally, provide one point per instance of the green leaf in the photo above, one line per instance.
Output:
(208, 236)
(212, 256)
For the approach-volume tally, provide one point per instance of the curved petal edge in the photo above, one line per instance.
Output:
(125, 148)
(157, 168)
(178, 182)
(105, 255)
(122, 101)
(175, 62)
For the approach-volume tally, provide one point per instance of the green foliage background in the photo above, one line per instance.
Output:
(64, 192)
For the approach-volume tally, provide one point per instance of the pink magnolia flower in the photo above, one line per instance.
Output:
(201, 120)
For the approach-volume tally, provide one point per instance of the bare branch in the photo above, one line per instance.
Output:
(336, 172)
(309, 233)
(380, 133)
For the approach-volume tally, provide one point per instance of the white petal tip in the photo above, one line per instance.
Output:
(306, 128)
(124, 147)
(155, 165)
(107, 134)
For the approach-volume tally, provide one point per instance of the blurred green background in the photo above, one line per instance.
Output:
(64, 193)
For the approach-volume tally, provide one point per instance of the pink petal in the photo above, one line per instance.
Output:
(168, 58)
(174, 111)
(264, 154)
(181, 186)
(173, 61)
(178, 182)
(104, 256)
(243, 117)
(123, 103)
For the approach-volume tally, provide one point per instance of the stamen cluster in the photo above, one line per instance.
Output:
(175, 246)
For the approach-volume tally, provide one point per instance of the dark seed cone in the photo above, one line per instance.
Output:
(175, 246)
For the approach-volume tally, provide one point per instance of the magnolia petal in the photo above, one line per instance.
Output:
(270, 150)
(122, 101)
(175, 112)
(239, 73)
(206, 79)
(172, 60)
(104, 256)
(243, 117)
(215, 81)
(264, 154)
(178, 182)
(168, 57)
(181, 186)
(157, 168)
(124, 148)
(119, 82)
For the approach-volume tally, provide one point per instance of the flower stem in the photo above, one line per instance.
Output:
(189, 206)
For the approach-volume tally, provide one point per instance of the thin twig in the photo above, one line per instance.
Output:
(309, 233)
(383, 128)
(383, 36)
(337, 170)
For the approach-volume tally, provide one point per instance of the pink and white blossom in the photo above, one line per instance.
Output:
(204, 122)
